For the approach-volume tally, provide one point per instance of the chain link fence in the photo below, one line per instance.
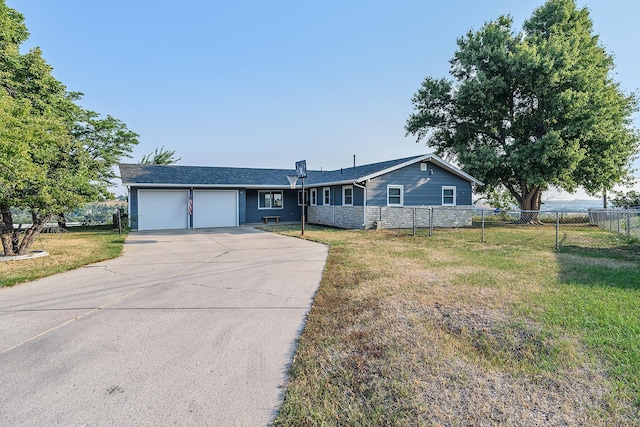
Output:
(622, 221)
(561, 229)
(533, 228)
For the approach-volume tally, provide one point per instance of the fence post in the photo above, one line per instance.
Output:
(628, 224)
(610, 222)
(557, 231)
(119, 223)
(414, 221)
(482, 225)
(430, 221)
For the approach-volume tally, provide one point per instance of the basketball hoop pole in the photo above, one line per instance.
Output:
(301, 172)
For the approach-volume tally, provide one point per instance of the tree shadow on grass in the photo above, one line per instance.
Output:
(613, 266)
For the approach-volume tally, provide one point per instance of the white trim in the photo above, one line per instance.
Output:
(449, 187)
(344, 188)
(401, 188)
(364, 204)
(313, 197)
(324, 196)
(306, 196)
(271, 192)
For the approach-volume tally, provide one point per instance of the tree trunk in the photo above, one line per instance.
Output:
(32, 232)
(6, 230)
(530, 205)
(62, 221)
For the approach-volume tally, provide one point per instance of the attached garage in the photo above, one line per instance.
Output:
(215, 208)
(163, 209)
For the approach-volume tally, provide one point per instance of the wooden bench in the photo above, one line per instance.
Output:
(267, 218)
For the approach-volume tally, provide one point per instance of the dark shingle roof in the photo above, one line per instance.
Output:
(134, 174)
(353, 173)
(150, 175)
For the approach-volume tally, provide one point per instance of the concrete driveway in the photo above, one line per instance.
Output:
(186, 328)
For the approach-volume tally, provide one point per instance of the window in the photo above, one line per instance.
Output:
(347, 195)
(395, 195)
(423, 167)
(314, 197)
(306, 197)
(448, 196)
(327, 196)
(270, 200)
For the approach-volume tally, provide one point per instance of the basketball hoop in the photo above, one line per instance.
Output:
(292, 181)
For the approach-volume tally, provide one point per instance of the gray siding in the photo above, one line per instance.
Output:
(421, 188)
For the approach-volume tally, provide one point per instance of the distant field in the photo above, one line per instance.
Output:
(446, 330)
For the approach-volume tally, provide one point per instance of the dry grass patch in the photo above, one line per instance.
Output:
(607, 262)
(441, 331)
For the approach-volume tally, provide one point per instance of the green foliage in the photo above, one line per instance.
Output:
(499, 198)
(160, 156)
(106, 140)
(54, 155)
(626, 200)
(532, 109)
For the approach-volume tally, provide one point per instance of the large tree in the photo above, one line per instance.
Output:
(54, 155)
(533, 109)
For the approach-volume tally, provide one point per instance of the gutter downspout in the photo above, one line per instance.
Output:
(364, 207)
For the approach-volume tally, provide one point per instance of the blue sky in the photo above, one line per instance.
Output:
(265, 83)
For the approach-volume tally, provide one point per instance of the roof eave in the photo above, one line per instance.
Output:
(161, 185)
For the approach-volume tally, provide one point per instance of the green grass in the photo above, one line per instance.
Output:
(416, 330)
(602, 305)
(67, 251)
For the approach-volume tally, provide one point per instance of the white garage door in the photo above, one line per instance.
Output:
(163, 209)
(215, 208)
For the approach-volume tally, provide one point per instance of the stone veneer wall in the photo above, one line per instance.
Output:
(390, 217)
(350, 217)
(452, 216)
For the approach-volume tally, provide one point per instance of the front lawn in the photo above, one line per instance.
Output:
(67, 251)
(446, 330)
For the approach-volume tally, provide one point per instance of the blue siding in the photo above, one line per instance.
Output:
(133, 208)
(242, 207)
(336, 195)
(290, 210)
(358, 196)
(421, 188)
